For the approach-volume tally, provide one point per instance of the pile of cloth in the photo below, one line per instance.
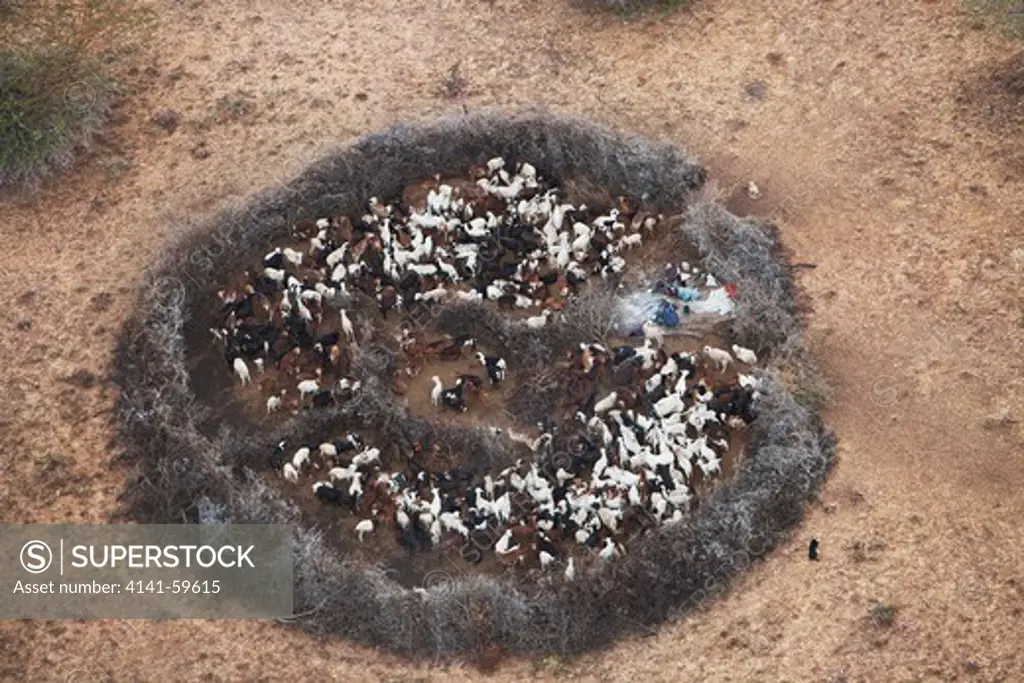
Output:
(680, 292)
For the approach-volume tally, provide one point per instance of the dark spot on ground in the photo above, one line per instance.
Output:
(166, 119)
(757, 89)
(82, 378)
(101, 301)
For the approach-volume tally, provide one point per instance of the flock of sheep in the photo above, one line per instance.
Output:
(504, 238)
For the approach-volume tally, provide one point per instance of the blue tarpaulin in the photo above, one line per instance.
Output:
(666, 315)
(685, 293)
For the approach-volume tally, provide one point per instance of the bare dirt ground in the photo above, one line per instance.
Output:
(847, 116)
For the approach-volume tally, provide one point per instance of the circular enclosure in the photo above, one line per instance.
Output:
(199, 453)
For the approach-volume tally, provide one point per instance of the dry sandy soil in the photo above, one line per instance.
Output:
(908, 200)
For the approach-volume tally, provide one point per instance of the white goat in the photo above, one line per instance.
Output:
(294, 257)
(436, 391)
(606, 403)
(346, 326)
(242, 370)
(274, 274)
(300, 458)
(721, 357)
(274, 403)
(308, 386)
(364, 527)
(538, 321)
(744, 355)
(668, 405)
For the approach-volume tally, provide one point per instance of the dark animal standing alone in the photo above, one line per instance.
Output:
(812, 550)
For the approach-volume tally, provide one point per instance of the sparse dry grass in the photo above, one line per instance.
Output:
(627, 7)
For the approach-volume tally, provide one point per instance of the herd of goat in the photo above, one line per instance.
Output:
(637, 452)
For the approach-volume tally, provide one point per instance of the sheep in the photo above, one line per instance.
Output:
(546, 559)
(668, 405)
(291, 474)
(449, 271)
(433, 295)
(503, 507)
(339, 273)
(570, 570)
(610, 551)
(744, 355)
(629, 441)
(425, 220)
(356, 489)
(336, 256)
(364, 527)
(308, 386)
(678, 497)
(293, 257)
(538, 321)
(346, 326)
(275, 274)
(494, 165)
(342, 473)
(435, 532)
(599, 466)
(503, 546)
(242, 371)
(654, 333)
(523, 301)
(608, 518)
(812, 550)
(423, 268)
(277, 456)
(452, 522)
(274, 403)
(495, 366)
(304, 312)
(634, 240)
(510, 191)
(748, 381)
(328, 450)
(328, 494)
(652, 384)
(720, 357)
(659, 505)
(323, 290)
(300, 458)
(436, 391)
(605, 222)
(368, 456)
(607, 403)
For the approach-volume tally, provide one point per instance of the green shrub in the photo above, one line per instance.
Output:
(50, 103)
(883, 615)
(57, 78)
